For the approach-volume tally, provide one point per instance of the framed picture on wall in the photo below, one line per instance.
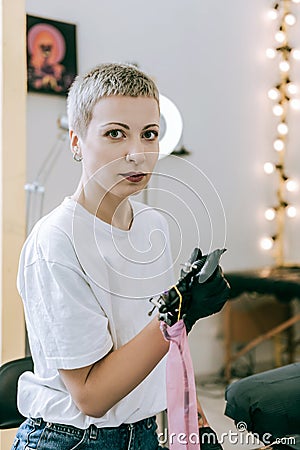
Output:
(51, 55)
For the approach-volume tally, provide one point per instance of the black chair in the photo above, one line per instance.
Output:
(269, 404)
(9, 375)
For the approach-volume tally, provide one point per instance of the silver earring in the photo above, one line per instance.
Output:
(76, 156)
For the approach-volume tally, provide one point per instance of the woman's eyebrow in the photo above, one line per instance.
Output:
(116, 123)
(127, 127)
(150, 126)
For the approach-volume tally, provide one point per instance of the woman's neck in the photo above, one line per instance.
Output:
(106, 206)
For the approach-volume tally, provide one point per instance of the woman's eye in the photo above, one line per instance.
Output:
(150, 135)
(114, 134)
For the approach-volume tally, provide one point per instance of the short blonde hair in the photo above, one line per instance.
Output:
(102, 81)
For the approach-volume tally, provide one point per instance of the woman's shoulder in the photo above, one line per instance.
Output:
(51, 236)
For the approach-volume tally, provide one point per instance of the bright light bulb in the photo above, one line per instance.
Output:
(273, 94)
(291, 185)
(296, 54)
(295, 104)
(270, 53)
(292, 88)
(273, 14)
(282, 128)
(290, 19)
(284, 66)
(266, 243)
(280, 37)
(278, 145)
(277, 110)
(269, 168)
(291, 211)
(296, 1)
(270, 214)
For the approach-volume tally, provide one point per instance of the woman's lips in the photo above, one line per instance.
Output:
(134, 177)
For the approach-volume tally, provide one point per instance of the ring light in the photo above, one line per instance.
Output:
(173, 126)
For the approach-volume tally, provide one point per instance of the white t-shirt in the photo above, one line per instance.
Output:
(86, 287)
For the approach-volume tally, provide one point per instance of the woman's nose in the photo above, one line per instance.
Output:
(137, 156)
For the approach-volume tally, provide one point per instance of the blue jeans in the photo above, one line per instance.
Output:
(37, 434)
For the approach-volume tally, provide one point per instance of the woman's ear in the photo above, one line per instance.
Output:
(75, 147)
(74, 139)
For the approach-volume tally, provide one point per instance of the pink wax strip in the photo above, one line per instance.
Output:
(181, 390)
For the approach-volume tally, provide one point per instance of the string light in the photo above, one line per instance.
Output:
(271, 53)
(270, 214)
(289, 19)
(267, 243)
(280, 37)
(295, 54)
(273, 14)
(295, 104)
(292, 88)
(291, 211)
(278, 145)
(282, 128)
(283, 95)
(278, 110)
(284, 66)
(291, 185)
(273, 94)
(269, 168)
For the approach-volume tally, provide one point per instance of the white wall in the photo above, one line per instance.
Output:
(209, 58)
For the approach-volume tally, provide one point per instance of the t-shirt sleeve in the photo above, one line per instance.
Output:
(64, 316)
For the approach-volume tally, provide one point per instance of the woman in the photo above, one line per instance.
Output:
(86, 274)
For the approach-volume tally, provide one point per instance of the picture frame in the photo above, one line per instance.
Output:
(51, 55)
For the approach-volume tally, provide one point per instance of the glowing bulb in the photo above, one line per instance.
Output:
(273, 14)
(280, 37)
(291, 211)
(295, 104)
(269, 168)
(290, 19)
(277, 110)
(284, 66)
(270, 53)
(282, 128)
(292, 88)
(270, 214)
(273, 94)
(291, 185)
(296, 54)
(296, 1)
(266, 243)
(278, 145)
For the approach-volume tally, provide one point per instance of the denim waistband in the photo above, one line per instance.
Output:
(92, 429)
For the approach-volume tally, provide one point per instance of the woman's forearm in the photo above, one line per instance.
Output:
(106, 382)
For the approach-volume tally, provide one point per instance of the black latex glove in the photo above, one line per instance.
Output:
(199, 271)
(168, 302)
(209, 291)
(207, 298)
